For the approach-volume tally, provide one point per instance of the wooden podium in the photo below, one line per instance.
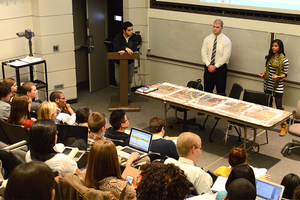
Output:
(124, 105)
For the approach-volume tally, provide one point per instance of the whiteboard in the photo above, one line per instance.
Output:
(249, 49)
(291, 48)
(183, 41)
(177, 40)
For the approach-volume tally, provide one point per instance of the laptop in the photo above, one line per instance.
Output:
(139, 141)
(75, 140)
(268, 190)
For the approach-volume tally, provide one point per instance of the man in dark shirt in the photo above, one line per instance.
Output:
(159, 144)
(119, 122)
(128, 42)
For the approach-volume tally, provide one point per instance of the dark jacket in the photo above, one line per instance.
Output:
(165, 148)
(113, 134)
(120, 44)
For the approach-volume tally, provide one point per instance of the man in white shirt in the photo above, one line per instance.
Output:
(65, 112)
(189, 149)
(216, 51)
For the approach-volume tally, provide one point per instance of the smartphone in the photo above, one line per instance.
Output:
(67, 151)
(129, 179)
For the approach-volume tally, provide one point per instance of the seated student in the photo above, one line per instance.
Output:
(119, 122)
(241, 189)
(65, 112)
(82, 116)
(103, 171)
(290, 182)
(29, 89)
(47, 110)
(42, 139)
(19, 114)
(5, 94)
(159, 181)
(189, 149)
(12, 84)
(240, 171)
(34, 180)
(97, 124)
(296, 195)
(236, 157)
(159, 144)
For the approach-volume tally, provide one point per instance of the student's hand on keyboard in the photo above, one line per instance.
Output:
(133, 156)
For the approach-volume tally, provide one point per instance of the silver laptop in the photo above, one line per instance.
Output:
(268, 190)
(139, 141)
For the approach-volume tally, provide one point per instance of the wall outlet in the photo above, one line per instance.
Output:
(55, 48)
(59, 87)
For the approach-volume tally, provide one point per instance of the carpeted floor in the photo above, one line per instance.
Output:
(214, 154)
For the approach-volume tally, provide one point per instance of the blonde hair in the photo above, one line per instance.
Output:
(46, 110)
(185, 142)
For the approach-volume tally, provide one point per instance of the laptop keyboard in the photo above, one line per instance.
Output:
(78, 154)
(128, 150)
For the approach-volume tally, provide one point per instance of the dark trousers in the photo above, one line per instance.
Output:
(217, 78)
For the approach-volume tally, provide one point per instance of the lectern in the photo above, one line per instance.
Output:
(124, 105)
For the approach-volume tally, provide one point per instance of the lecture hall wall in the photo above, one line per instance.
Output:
(138, 12)
(52, 23)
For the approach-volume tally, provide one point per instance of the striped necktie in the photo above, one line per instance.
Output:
(213, 55)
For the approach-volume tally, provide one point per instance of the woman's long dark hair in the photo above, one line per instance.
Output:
(290, 182)
(42, 140)
(241, 171)
(271, 54)
(19, 110)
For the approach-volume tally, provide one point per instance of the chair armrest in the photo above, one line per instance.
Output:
(16, 145)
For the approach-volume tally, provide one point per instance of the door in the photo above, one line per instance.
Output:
(96, 31)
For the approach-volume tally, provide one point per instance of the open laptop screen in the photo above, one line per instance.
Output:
(268, 190)
(140, 139)
(73, 136)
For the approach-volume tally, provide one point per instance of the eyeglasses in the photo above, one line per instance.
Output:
(198, 148)
(126, 120)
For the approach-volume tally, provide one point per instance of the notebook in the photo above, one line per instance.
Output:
(268, 190)
(147, 89)
(139, 141)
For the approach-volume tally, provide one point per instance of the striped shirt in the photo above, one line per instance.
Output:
(269, 84)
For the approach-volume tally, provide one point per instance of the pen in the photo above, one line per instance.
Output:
(137, 175)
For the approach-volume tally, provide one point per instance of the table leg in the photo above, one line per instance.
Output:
(3, 72)
(165, 105)
(31, 73)
(18, 80)
(245, 136)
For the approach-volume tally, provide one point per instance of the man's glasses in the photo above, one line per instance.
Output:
(198, 148)
(126, 120)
